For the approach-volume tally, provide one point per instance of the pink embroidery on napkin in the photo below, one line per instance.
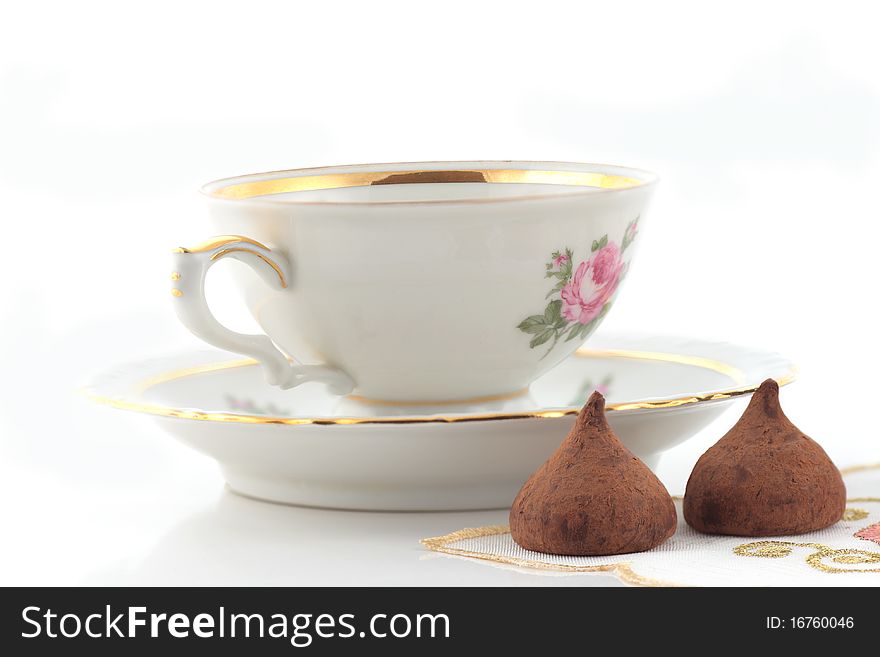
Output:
(870, 533)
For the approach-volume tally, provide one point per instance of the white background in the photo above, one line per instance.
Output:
(763, 120)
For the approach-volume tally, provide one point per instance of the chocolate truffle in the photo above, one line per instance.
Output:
(764, 477)
(593, 496)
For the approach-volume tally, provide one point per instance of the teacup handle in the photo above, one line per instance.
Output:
(188, 288)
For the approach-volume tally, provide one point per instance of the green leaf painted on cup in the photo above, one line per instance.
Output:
(573, 331)
(541, 338)
(534, 324)
(598, 244)
(551, 313)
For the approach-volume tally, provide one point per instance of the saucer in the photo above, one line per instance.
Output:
(305, 446)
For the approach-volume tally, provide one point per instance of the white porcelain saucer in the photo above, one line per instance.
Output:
(305, 446)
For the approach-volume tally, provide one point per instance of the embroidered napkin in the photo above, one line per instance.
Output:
(845, 554)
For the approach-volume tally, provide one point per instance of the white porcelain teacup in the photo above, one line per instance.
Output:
(418, 282)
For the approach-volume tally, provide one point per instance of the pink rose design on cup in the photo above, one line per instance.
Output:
(580, 297)
(592, 285)
(607, 265)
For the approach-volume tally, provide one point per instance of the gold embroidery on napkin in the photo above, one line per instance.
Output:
(817, 560)
(623, 570)
(854, 514)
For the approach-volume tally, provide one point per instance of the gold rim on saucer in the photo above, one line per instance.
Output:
(731, 371)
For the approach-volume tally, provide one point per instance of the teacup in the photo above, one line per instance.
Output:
(418, 282)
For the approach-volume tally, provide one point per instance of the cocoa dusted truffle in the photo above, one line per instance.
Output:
(593, 496)
(764, 477)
